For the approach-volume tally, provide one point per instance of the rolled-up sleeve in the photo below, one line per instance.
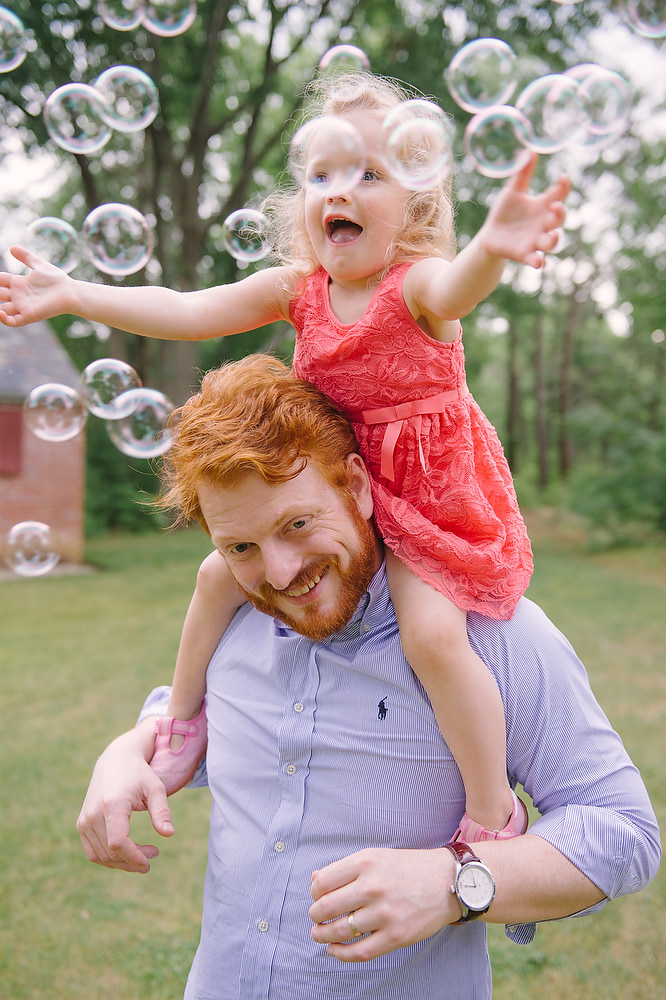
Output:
(561, 747)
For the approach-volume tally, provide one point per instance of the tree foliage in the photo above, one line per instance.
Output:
(571, 399)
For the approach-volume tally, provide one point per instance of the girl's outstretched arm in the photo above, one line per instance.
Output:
(520, 226)
(150, 310)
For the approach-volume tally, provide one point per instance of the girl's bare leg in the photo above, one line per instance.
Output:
(463, 693)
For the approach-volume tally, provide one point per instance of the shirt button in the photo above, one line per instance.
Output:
(366, 628)
(262, 926)
(278, 846)
(291, 769)
(298, 707)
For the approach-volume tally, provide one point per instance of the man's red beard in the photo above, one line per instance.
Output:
(313, 623)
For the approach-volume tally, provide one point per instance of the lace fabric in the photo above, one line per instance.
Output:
(457, 524)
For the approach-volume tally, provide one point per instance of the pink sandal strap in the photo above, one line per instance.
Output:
(470, 832)
(176, 768)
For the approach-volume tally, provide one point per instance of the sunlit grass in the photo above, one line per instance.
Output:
(79, 653)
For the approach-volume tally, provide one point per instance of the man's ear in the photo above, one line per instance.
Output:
(360, 484)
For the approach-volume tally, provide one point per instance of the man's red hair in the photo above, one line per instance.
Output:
(252, 415)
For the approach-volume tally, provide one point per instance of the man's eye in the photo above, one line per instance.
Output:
(239, 548)
(299, 523)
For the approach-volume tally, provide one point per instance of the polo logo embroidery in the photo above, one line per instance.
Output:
(382, 710)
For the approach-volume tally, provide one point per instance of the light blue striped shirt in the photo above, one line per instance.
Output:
(319, 750)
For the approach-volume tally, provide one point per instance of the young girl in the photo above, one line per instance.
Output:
(370, 282)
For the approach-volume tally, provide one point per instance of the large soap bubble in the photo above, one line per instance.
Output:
(130, 99)
(121, 15)
(117, 239)
(12, 41)
(328, 152)
(54, 412)
(167, 18)
(645, 17)
(103, 382)
(495, 141)
(555, 112)
(31, 549)
(73, 115)
(246, 235)
(144, 432)
(482, 74)
(417, 144)
(343, 58)
(54, 240)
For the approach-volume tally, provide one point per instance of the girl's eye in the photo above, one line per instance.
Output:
(370, 175)
(320, 177)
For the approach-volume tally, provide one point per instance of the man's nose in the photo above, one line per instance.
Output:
(282, 563)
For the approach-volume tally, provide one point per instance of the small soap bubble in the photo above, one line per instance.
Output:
(130, 99)
(417, 144)
(54, 240)
(246, 235)
(606, 97)
(31, 549)
(121, 15)
(482, 74)
(73, 119)
(117, 239)
(167, 18)
(103, 382)
(343, 58)
(143, 433)
(54, 412)
(495, 141)
(328, 152)
(645, 17)
(555, 112)
(12, 41)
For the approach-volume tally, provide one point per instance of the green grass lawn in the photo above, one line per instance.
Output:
(78, 654)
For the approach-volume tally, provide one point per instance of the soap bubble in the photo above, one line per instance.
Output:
(73, 115)
(344, 58)
(246, 234)
(416, 141)
(130, 99)
(122, 15)
(328, 152)
(117, 239)
(645, 17)
(12, 41)
(167, 18)
(555, 112)
(54, 240)
(31, 549)
(482, 74)
(103, 382)
(495, 141)
(54, 412)
(606, 97)
(143, 433)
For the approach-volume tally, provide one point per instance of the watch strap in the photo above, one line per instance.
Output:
(463, 854)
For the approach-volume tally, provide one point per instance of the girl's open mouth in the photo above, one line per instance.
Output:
(340, 231)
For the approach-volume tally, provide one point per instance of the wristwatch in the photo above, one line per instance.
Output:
(474, 884)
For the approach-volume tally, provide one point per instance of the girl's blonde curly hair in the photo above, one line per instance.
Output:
(428, 229)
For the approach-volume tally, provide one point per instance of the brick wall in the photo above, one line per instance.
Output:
(49, 487)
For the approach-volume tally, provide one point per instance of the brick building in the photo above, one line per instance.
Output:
(39, 480)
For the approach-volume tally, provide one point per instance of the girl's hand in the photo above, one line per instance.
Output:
(521, 226)
(43, 292)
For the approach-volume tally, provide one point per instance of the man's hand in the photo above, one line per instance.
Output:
(43, 292)
(396, 898)
(521, 226)
(122, 783)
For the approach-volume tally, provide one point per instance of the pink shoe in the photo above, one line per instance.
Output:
(470, 832)
(176, 768)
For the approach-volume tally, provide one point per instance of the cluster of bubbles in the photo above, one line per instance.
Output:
(81, 117)
(136, 417)
(115, 238)
(586, 105)
(165, 18)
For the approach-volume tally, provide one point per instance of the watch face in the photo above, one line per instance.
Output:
(476, 886)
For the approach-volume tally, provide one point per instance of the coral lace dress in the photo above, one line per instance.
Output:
(443, 495)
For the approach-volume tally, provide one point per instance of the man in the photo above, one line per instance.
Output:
(333, 790)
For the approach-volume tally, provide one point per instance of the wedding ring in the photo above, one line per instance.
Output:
(355, 931)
